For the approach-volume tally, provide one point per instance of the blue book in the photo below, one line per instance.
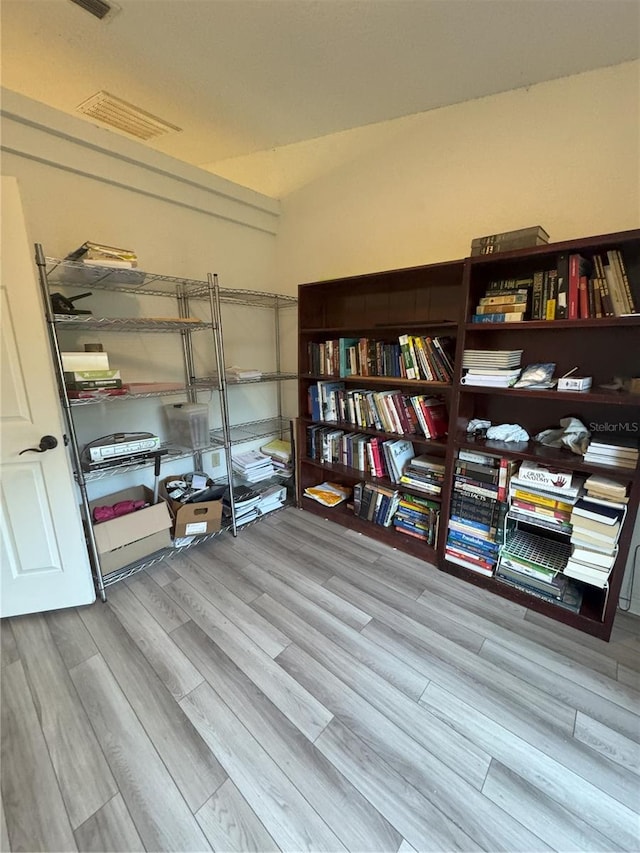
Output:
(314, 397)
(343, 350)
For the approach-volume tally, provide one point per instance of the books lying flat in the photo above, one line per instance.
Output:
(603, 487)
(587, 574)
(491, 358)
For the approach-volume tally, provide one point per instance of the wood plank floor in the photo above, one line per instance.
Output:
(304, 688)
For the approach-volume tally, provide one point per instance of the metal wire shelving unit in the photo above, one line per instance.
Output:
(56, 273)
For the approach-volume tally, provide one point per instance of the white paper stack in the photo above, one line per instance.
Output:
(253, 466)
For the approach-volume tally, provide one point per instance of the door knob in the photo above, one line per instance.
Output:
(47, 442)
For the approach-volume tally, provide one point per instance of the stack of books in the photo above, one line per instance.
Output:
(245, 502)
(477, 511)
(535, 564)
(417, 517)
(601, 488)
(503, 304)
(618, 452)
(545, 508)
(424, 473)
(253, 466)
(97, 254)
(597, 524)
(375, 503)
(508, 241)
(491, 368)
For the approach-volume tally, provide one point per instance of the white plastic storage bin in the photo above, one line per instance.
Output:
(189, 425)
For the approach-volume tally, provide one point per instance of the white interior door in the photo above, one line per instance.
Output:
(44, 561)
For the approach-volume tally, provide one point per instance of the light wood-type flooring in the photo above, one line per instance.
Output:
(304, 688)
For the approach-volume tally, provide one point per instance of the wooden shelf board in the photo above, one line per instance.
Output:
(380, 380)
(588, 619)
(341, 514)
(530, 325)
(610, 398)
(352, 332)
(553, 456)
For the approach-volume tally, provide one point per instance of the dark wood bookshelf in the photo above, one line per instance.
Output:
(390, 303)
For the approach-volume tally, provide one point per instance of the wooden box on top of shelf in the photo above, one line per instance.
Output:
(427, 301)
(601, 347)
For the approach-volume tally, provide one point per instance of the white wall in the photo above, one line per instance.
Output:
(563, 154)
(80, 182)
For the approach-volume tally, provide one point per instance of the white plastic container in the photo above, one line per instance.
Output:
(189, 425)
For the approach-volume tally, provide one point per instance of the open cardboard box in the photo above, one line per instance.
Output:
(124, 540)
(192, 519)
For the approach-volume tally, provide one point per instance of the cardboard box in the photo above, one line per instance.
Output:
(124, 540)
(192, 519)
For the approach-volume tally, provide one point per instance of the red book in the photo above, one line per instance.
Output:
(435, 414)
(574, 278)
(377, 459)
(583, 288)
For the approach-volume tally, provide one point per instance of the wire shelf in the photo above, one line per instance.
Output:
(241, 433)
(127, 324)
(79, 274)
(212, 381)
(168, 553)
(110, 398)
(256, 298)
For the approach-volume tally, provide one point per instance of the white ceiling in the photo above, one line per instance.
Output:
(240, 76)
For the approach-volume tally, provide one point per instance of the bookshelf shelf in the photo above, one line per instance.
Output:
(380, 328)
(342, 514)
(569, 325)
(609, 398)
(419, 385)
(428, 443)
(442, 298)
(333, 469)
(553, 456)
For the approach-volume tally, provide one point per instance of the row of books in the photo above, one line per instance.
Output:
(388, 411)
(579, 288)
(375, 503)
(412, 357)
(394, 458)
(477, 510)
(409, 515)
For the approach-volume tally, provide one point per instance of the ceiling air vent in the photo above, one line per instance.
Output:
(97, 8)
(123, 116)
